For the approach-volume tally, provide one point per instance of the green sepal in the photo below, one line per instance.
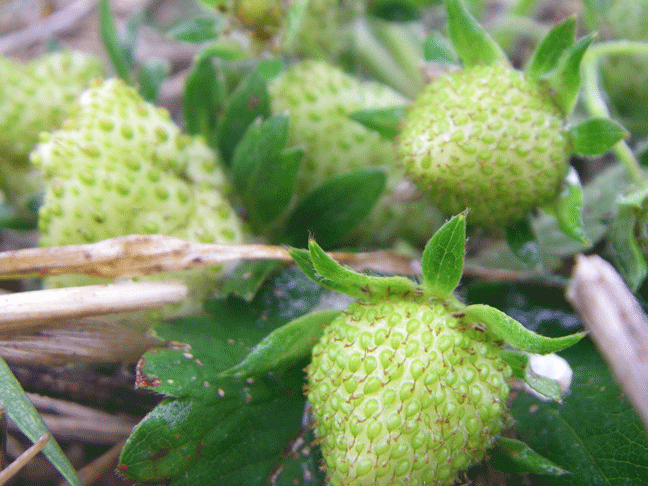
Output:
(499, 326)
(595, 136)
(263, 172)
(284, 346)
(552, 47)
(18, 408)
(472, 43)
(333, 209)
(519, 363)
(514, 456)
(112, 43)
(567, 208)
(249, 101)
(203, 99)
(443, 257)
(437, 48)
(564, 80)
(627, 254)
(523, 243)
(247, 277)
(151, 76)
(317, 265)
(385, 121)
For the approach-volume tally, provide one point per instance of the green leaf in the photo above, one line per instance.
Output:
(331, 274)
(627, 254)
(284, 346)
(19, 409)
(568, 208)
(214, 429)
(443, 257)
(151, 76)
(386, 121)
(247, 277)
(596, 136)
(552, 47)
(294, 21)
(437, 48)
(332, 210)
(502, 327)
(565, 79)
(263, 173)
(523, 243)
(514, 456)
(112, 42)
(197, 29)
(472, 43)
(202, 103)
(594, 434)
(249, 101)
(12, 219)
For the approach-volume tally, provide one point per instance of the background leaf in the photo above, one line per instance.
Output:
(523, 243)
(216, 430)
(332, 210)
(203, 99)
(594, 434)
(112, 43)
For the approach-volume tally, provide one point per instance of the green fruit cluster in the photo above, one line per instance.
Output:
(319, 97)
(488, 138)
(121, 166)
(35, 97)
(404, 393)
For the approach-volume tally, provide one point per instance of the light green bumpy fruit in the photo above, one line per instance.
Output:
(319, 98)
(35, 97)
(486, 138)
(121, 166)
(403, 393)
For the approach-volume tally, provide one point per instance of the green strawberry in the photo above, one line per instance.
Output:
(121, 166)
(408, 385)
(403, 392)
(488, 138)
(35, 97)
(319, 98)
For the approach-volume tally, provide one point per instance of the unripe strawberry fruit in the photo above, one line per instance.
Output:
(404, 393)
(121, 166)
(319, 98)
(36, 96)
(487, 138)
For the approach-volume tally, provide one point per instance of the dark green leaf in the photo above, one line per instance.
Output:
(472, 43)
(221, 430)
(386, 121)
(246, 278)
(596, 136)
(552, 47)
(264, 174)
(443, 257)
(568, 208)
(151, 76)
(333, 209)
(565, 79)
(196, 30)
(523, 243)
(627, 254)
(128, 40)
(594, 434)
(12, 219)
(502, 327)
(19, 409)
(514, 456)
(249, 101)
(203, 99)
(112, 42)
(394, 10)
(437, 48)
(284, 346)
(342, 279)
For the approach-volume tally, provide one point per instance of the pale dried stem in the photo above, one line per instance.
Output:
(20, 462)
(617, 323)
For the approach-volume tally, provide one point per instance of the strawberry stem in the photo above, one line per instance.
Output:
(594, 99)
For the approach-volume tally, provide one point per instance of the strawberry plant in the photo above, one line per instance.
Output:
(324, 325)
